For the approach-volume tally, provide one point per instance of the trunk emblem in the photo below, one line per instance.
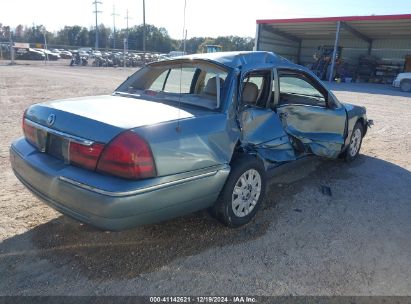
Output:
(51, 119)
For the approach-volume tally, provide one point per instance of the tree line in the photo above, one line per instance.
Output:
(157, 38)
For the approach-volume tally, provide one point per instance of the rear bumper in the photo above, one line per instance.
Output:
(112, 203)
(396, 83)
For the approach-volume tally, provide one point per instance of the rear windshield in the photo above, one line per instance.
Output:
(197, 83)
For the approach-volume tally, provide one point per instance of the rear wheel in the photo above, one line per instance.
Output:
(243, 192)
(405, 85)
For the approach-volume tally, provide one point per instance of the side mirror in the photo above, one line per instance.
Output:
(331, 104)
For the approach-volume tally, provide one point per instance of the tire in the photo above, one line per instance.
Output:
(243, 192)
(405, 85)
(355, 142)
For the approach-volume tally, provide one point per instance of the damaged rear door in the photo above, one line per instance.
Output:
(261, 129)
(310, 114)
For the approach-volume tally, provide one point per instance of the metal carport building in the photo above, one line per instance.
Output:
(387, 37)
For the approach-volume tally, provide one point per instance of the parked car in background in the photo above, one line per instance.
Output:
(83, 53)
(403, 81)
(49, 54)
(85, 49)
(29, 54)
(96, 54)
(66, 55)
(181, 135)
(176, 53)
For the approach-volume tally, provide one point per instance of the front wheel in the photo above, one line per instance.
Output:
(243, 192)
(405, 85)
(355, 143)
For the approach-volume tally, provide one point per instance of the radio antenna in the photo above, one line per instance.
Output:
(183, 44)
(178, 129)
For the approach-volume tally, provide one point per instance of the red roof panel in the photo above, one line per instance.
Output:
(335, 19)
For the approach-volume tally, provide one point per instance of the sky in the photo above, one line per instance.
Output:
(209, 18)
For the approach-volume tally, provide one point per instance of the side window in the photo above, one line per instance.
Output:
(158, 84)
(297, 89)
(206, 82)
(178, 80)
(256, 88)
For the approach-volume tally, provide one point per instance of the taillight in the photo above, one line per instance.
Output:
(127, 156)
(29, 132)
(85, 156)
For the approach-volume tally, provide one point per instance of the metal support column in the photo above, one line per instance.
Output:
(369, 47)
(257, 37)
(299, 52)
(337, 37)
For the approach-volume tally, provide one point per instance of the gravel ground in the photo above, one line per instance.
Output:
(354, 242)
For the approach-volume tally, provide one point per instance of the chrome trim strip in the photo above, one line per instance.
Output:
(76, 139)
(141, 190)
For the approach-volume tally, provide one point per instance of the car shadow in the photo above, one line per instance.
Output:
(368, 88)
(126, 254)
(103, 255)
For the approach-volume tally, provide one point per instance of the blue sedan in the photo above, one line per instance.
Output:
(181, 135)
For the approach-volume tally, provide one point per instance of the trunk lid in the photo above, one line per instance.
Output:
(101, 118)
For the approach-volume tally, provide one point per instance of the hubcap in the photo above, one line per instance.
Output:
(355, 142)
(406, 86)
(246, 193)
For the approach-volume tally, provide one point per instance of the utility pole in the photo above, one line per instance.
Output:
(96, 11)
(114, 25)
(127, 18)
(124, 51)
(45, 47)
(144, 31)
(11, 48)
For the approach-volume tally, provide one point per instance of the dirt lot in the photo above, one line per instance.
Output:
(355, 242)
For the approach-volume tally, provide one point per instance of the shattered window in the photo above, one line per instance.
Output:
(296, 90)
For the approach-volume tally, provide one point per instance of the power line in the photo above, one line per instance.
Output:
(96, 11)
